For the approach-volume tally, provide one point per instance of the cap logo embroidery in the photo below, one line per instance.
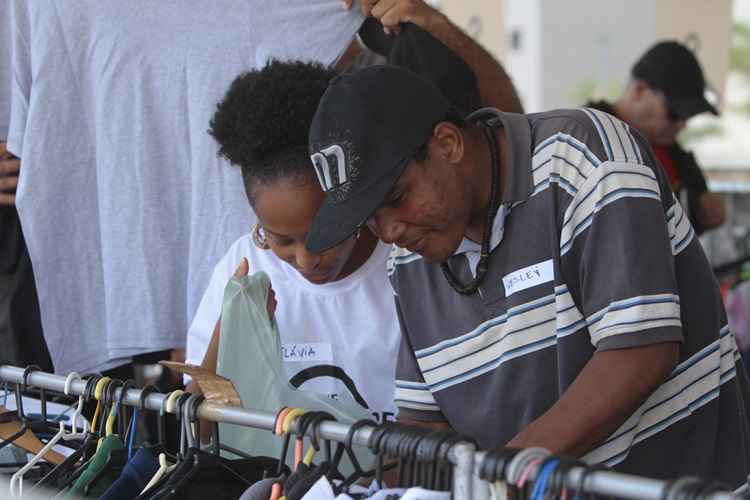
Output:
(330, 167)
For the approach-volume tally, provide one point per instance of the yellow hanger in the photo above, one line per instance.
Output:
(98, 395)
(309, 456)
(293, 414)
(109, 425)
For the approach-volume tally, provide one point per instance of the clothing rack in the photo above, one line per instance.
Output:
(598, 482)
(461, 455)
(466, 460)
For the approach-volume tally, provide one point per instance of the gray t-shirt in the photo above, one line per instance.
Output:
(591, 253)
(125, 206)
(5, 69)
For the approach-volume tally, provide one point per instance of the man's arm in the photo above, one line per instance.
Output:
(610, 387)
(495, 86)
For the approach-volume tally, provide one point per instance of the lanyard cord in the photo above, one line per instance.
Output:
(483, 266)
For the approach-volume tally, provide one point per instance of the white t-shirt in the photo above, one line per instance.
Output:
(124, 203)
(350, 323)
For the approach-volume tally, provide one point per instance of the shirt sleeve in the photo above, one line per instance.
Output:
(619, 237)
(413, 397)
(20, 91)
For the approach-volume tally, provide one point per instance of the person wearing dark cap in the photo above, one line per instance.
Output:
(549, 289)
(666, 89)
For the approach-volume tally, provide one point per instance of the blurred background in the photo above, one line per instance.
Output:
(559, 57)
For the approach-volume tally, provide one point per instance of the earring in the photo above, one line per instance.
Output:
(259, 239)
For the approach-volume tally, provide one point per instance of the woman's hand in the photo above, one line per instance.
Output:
(242, 270)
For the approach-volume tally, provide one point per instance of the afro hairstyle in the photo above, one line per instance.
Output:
(262, 123)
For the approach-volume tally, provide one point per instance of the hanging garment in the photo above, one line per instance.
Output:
(260, 490)
(129, 193)
(250, 355)
(201, 475)
(134, 477)
(103, 455)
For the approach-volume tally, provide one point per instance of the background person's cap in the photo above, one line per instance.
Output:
(417, 50)
(672, 68)
(368, 126)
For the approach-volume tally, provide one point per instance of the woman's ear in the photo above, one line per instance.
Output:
(448, 142)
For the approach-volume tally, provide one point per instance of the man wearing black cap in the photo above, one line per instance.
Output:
(667, 88)
(549, 288)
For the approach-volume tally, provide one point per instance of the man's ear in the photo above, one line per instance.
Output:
(448, 142)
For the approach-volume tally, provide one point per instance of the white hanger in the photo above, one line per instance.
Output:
(16, 481)
(164, 466)
(77, 413)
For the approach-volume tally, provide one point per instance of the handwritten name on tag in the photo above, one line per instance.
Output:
(313, 352)
(527, 277)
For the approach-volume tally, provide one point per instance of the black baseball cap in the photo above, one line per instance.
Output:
(417, 50)
(672, 68)
(368, 126)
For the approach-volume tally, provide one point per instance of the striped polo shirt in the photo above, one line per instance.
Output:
(590, 252)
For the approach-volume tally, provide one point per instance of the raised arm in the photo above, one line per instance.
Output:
(495, 87)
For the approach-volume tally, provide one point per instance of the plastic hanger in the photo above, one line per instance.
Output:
(286, 427)
(102, 392)
(117, 458)
(133, 425)
(20, 388)
(16, 481)
(164, 466)
(348, 447)
(117, 408)
(100, 384)
(82, 452)
(196, 459)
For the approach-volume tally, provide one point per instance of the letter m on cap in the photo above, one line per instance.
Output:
(330, 167)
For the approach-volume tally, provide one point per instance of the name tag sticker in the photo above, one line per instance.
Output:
(315, 352)
(527, 277)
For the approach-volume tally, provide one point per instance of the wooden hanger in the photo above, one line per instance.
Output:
(28, 441)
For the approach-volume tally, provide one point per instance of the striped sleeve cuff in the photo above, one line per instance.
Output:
(636, 318)
(416, 402)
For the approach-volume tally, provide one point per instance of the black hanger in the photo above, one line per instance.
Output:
(20, 389)
(123, 423)
(313, 421)
(145, 392)
(425, 453)
(348, 446)
(428, 454)
(443, 466)
(197, 459)
(374, 443)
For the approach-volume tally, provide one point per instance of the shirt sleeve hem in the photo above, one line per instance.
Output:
(640, 339)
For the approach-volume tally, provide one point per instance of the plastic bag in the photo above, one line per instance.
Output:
(250, 355)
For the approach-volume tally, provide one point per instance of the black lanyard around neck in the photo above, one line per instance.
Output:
(483, 266)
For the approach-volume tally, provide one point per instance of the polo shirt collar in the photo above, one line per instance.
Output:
(518, 144)
(520, 182)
